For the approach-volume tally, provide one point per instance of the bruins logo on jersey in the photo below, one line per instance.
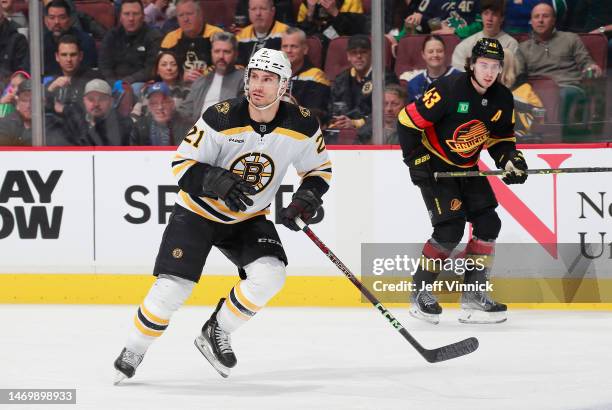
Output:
(255, 168)
(468, 138)
(305, 112)
(367, 88)
(223, 107)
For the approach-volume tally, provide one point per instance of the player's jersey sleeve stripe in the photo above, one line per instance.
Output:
(406, 121)
(417, 118)
(182, 166)
(494, 140)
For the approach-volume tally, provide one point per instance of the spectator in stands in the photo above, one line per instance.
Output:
(16, 128)
(461, 18)
(162, 125)
(395, 100)
(99, 123)
(329, 19)
(191, 41)
(308, 85)
(263, 31)
(68, 87)
(559, 55)
(10, 12)
(128, 51)
(492, 12)
(83, 21)
(57, 22)
(224, 82)
(526, 101)
(434, 55)
(156, 13)
(284, 10)
(14, 51)
(9, 94)
(352, 90)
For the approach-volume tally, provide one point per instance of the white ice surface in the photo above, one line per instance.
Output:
(311, 358)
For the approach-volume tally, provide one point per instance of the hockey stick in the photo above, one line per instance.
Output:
(542, 171)
(440, 354)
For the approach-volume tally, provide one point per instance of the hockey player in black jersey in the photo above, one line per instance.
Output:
(446, 130)
(229, 168)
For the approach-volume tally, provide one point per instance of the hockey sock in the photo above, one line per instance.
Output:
(265, 278)
(432, 260)
(481, 253)
(167, 294)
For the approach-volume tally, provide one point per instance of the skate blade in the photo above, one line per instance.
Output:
(119, 377)
(427, 317)
(204, 348)
(475, 316)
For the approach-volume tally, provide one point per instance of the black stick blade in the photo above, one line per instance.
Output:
(451, 351)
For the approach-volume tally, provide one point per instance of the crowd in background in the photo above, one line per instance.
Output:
(144, 77)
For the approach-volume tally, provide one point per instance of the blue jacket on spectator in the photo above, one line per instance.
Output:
(421, 82)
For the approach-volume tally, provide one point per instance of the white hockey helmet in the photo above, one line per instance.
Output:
(274, 61)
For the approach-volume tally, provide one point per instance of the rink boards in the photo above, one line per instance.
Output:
(83, 226)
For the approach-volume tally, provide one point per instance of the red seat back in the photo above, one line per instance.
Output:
(219, 12)
(315, 51)
(102, 11)
(597, 44)
(548, 91)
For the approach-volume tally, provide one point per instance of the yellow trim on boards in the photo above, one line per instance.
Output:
(307, 291)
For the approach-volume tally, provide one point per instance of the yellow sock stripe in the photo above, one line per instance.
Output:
(235, 310)
(243, 299)
(152, 317)
(146, 331)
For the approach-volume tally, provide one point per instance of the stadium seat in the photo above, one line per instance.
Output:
(336, 61)
(597, 45)
(409, 52)
(102, 11)
(22, 6)
(367, 6)
(219, 12)
(315, 51)
(348, 136)
(520, 37)
(548, 91)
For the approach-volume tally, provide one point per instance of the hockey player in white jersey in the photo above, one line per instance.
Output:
(228, 168)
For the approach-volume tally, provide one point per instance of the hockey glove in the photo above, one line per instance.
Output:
(228, 186)
(304, 204)
(515, 168)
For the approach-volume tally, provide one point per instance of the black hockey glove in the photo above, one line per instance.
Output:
(229, 187)
(304, 204)
(515, 168)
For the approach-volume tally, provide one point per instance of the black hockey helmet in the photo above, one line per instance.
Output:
(488, 48)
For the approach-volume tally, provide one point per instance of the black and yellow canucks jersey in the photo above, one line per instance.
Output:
(456, 122)
(249, 43)
(193, 53)
(310, 88)
(260, 153)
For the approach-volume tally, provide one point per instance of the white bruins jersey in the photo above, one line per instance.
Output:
(226, 137)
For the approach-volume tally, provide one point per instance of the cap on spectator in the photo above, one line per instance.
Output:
(25, 85)
(159, 87)
(98, 85)
(359, 41)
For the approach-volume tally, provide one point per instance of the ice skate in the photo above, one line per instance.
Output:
(478, 307)
(215, 345)
(126, 365)
(425, 307)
